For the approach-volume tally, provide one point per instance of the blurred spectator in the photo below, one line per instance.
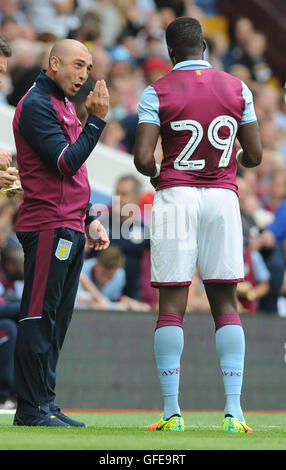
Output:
(243, 73)
(109, 19)
(10, 29)
(132, 17)
(256, 283)
(52, 16)
(89, 31)
(8, 210)
(113, 135)
(255, 58)
(257, 276)
(276, 190)
(151, 38)
(12, 239)
(116, 106)
(8, 335)
(280, 118)
(129, 123)
(102, 283)
(101, 63)
(270, 243)
(275, 232)
(250, 207)
(11, 286)
(267, 102)
(177, 7)
(5, 232)
(26, 63)
(125, 81)
(11, 8)
(11, 273)
(269, 135)
(107, 276)
(241, 35)
(128, 230)
(155, 68)
(217, 48)
(271, 161)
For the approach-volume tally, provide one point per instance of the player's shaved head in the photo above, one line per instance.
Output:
(185, 39)
(66, 47)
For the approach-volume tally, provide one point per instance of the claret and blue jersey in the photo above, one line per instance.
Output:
(199, 110)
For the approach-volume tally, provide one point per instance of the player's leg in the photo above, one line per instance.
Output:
(173, 261)
(230, 343)
(168, 345)
(230, 346)
(221, 267)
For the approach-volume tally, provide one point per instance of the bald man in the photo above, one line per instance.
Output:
(53, 221)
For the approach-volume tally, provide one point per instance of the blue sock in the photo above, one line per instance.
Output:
(168, 347)
(230, 344)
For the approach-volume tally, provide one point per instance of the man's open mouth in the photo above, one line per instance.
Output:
(77, 86)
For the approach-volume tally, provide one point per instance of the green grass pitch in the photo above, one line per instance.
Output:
(127, 431)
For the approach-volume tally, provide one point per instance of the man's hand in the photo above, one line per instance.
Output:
(9, 178)
(97, 236)
(5, 159)
(97, 102)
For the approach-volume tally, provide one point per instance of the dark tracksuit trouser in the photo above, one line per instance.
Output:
(52, 266)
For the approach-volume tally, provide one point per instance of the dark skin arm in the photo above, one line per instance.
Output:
(249, 139)
(146, 140)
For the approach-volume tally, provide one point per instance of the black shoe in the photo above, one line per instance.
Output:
(40, 419)
(56, 411)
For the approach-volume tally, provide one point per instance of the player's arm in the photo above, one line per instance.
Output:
(147, 134)
(146, 141)
(250, 154)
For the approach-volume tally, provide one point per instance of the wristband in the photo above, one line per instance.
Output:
(238, 153)
(158, 169)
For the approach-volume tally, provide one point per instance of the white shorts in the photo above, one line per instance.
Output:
(196, 227)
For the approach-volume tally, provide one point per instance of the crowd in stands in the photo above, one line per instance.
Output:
(126, 39)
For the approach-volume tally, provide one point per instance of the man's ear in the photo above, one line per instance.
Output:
(54, 63)
(204, 45)
(171, 55)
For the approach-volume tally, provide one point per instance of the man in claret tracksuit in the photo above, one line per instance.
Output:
(52, 149)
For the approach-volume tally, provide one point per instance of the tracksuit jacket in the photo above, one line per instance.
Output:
(52, 149)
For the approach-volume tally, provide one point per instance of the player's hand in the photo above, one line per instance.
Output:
(97, 236)
(9, 177)
(5, 159)
(97, 102)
